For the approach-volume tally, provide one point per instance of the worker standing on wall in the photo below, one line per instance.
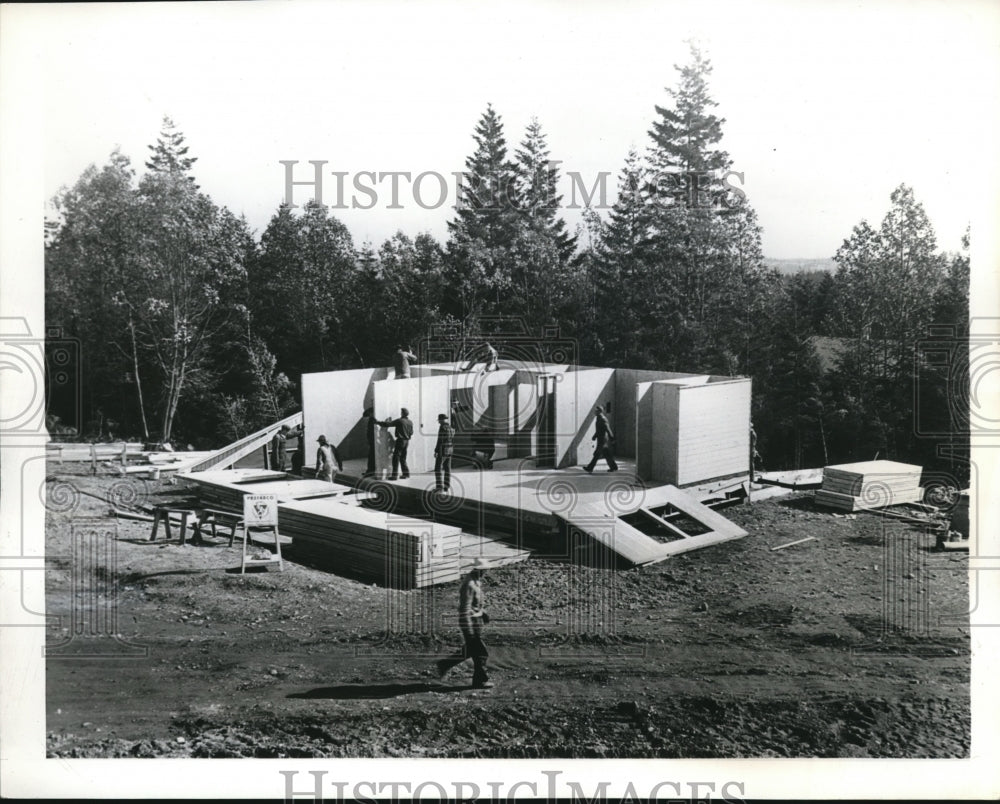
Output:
(471, 619)
(401, 362)
(603, 436)
(326, 456)
(489, 356)
(404, 432)
(443, 450)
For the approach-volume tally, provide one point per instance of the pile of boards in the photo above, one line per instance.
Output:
(396, 551)
(869, 484)
(225, 489)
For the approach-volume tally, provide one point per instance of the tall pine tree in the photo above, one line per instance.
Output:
(538, 194)
(705, 252)
(486, 223)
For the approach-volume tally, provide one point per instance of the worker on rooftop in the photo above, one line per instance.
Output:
(487, 354)
(401, 362)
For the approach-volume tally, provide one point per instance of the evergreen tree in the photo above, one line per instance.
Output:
(620, 273)
(704, 246)
(886, 284)
(537, 190)
(488, 197)
(685, 136)
(485, 225)
(169, 154)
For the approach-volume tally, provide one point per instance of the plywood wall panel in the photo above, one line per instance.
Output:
(577, 394)
(425, 397)
(663, 431)
(643, 417)
(713, 431)
(625, 404)
(332, 405)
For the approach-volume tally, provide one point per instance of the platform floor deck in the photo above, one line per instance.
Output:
(515, 498)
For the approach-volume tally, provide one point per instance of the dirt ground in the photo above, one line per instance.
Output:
(854, 644)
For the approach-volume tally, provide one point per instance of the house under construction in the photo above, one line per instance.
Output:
(522, 433)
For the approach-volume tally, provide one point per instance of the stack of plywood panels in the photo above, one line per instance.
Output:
(869, 484)
(397, 551)
(225, 489)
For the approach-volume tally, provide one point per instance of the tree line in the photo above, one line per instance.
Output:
(193, 329)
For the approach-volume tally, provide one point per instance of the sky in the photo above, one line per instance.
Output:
(828, 105)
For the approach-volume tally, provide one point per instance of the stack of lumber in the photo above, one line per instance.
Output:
(401, 552)
(869, 484)
(224, 490)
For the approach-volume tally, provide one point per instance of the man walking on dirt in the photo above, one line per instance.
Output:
(603, 436)
(404, 432)
(471, 619)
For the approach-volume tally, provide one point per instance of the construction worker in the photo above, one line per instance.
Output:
(326, 457)
(299, 455)
(603, 436)
(471, 619)
(370, 423)
(488, 355)
(278, 449)
(401, 362)
(404, 432)
(443, 450)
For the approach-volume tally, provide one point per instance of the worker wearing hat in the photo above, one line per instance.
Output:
(603, 436)
(471, 619)
(278, 448)
(443, 450)
(404, 432)
(326, 457)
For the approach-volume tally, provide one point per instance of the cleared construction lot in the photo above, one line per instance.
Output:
(852, 644)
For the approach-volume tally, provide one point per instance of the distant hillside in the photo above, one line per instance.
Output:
(797, 266)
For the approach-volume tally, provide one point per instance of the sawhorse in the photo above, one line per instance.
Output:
(260, 562)
(164, 511)
(222, 519)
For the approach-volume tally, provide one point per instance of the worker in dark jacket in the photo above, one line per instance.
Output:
(278, 448)
(299, 455)
(370, 424)
(443, 450)
(603, 436)
(404, 432)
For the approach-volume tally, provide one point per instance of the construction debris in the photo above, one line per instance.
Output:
(799, 479)
(790, 544)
